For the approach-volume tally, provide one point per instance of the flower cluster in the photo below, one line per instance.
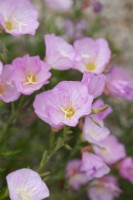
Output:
(68, 102)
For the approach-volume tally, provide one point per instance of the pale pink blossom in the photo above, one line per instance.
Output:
(112, 151)
(30, 74)
(94, 133)
(59, 5)
(93, 166)
(26, 184)
(126, 168)
(75, 177)
(8, 91)
(92, 55)
(59, 53)
(119, 83)
(74, 29)
(64, 104)
(106, 188)
(95, 83)
(18, 17)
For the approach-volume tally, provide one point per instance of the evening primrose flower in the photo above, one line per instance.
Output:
(8, 91)
(92, 55)
(94, 82)
(107, 153)
(105, 188)
(126, 168)
(26, 184)
(64, 104)
(93, 166)
(94, 133)
(59, 53)
(119, 83)
(18, 17)
(59, 5)
(76, 178)
(30, 74)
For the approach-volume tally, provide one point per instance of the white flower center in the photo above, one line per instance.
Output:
(12, 23)
(23, 194)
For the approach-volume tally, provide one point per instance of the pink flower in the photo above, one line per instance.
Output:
(59, 5)
(8, 91)
(126, 168)
(94, 133)
(93, 166)
(29, 74)
(112, 151)
(26, 184)
(74, 30)
(75, 177)
(92, 55)
(101, 115)
(95, 83)
(59, 54)
(1, 67)
(64, 104)
(105, 188)
(119, 83)
(18, 17)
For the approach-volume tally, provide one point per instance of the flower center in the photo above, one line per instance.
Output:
(9, 25)
(90, 66)
(23, 194)
(1, 89)
(69, 112)
(30, 79)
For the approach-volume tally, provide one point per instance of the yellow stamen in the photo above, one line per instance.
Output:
(23, 195)
(30, 79)
(90, 66)
(9, 25)
(69, 112)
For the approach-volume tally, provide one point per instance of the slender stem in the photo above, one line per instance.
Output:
(47, 155)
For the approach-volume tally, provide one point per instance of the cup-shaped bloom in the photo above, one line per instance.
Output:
(26, 184)
(8, 91)
(59, 54)
(101, 115)
(93, 166)
(94, 133)
(126, 168)
(64, 104)
(18, 17)
(119, 83)
(94, 82)
(30, 74)
(59, 5)
(92, 55)
(106, 188)
(112, 151)
(73, 174)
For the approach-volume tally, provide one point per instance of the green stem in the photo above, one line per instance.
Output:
(47, 155)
